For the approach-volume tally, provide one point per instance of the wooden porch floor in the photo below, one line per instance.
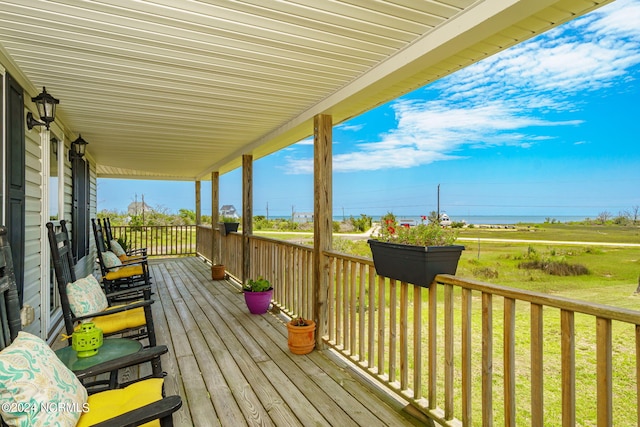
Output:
(233, 368)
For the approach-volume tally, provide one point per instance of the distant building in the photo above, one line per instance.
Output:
(302, 217)
(229, 211)
(136, 208)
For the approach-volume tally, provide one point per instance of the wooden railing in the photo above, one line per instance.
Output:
(463, 351)
(230, 248)
(289, 267)
(477, 353)
(160, 240)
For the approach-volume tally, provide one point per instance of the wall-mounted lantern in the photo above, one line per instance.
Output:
(78, 148)
(46, 105)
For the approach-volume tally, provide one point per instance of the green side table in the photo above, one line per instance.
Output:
(112, 348)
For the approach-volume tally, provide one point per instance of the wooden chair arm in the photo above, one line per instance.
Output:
(138, 251)
(144, 355)
(153, 411)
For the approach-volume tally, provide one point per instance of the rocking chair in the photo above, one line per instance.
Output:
(30, 373)
(85, 299)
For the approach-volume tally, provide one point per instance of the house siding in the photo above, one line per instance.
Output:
(33, 222)
(36, 247)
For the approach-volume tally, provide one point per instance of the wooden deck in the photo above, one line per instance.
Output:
(233, 368)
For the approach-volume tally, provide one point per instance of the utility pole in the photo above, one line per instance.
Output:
(438, 218)
(267, 211)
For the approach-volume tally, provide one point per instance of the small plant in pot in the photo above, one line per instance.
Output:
(302, 336)
(257, 295)
(218, 272)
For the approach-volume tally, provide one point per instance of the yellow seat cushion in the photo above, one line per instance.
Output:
(131, 258)
(111, 403)
(124, 272)
(118, 321)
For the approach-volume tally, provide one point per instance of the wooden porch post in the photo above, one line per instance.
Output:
(198, 203)
(247, 214)
(322, 219)
(216, 256)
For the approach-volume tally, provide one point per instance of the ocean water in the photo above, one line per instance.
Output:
(501, 219)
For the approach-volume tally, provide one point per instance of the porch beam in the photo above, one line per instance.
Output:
(216, 256)
(198, 202)
(247, 214)
(322, 220)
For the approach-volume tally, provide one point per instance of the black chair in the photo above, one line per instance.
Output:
(158, 407)
(138, 326)
(117, 274)
(108, 234)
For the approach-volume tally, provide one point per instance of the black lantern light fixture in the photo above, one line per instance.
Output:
(46, 105)
(77, 148)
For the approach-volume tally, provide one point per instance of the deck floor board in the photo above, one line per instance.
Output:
(233, 368)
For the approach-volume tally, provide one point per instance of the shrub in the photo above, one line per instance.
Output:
(555, 268)
(486, 272)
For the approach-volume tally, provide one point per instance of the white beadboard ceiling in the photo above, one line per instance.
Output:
(176, 89)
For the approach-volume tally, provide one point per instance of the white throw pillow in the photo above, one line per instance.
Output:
(86, 296)
(36, 388)
(111, 260)
(116, 248)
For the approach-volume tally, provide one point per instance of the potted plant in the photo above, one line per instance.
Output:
(228, 225)
(257, 295)
(414, 254)
(218, 272)
(302, 335)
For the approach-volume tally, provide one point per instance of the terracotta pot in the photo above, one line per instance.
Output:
(302, 339)
(217, 272)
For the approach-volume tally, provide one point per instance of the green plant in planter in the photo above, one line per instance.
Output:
(431, 234)
(414, 254)
(228, 219)
(257, 295)
(258, 285)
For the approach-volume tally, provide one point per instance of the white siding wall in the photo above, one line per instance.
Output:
(33, 222)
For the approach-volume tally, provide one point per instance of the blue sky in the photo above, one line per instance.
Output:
(550, 127)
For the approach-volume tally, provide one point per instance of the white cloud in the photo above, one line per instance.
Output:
(497, 101)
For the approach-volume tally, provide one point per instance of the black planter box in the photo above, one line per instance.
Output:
(418, 265)
(228, 227)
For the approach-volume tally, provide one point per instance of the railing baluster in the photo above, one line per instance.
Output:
(345, 307)
(448, 351)
(362, 302)
(433, 346)
(537, 368)
(393, 329)
(372, 315)
(331, 302)
(417, 342)
(509, 354)
(381, 324)
(604, 372)
(487, 359)
(353, 309)
(404, 336)
(339, 302)
(637, 328)
(467, 379)
(568, 347)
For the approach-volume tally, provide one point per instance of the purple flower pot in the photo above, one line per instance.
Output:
(258, 302)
